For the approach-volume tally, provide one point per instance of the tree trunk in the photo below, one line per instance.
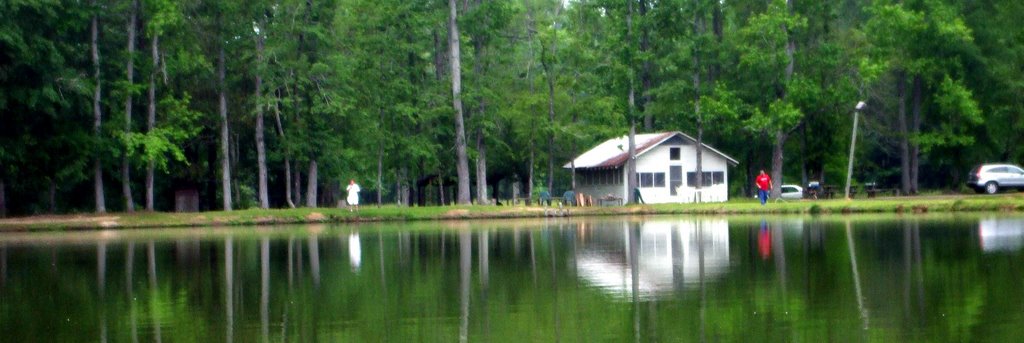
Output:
(151, 118)
(495, 188)
(53, 197)
(287, 160)
(645, 71)
(481, 142)
(298, 184)
(915, 149)
(126, 186)
(225, 164)
(780, 135)
(261, 153)
(3, 199)
(419, 193)
(698, 30)
(631, 183)
(572, 144)
(288, 182)
(101, 206)
(699, 177)
(481, 160)
(790, 45)
(803, 155)
(572, 168)
(380, 173)
(549, 73)
(440, 188)
(481, 167)
(234, 163)
(211, 176)
(529, 178)
(551, 136)
(311, 183)
(777, 162)
(901, 119)
(439, 57)
(462, 162)
(401, 191)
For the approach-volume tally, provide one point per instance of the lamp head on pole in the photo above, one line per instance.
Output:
(861, 105)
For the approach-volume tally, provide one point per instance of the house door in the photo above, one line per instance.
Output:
(675, 179)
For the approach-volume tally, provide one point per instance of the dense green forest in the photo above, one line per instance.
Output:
(116, 105)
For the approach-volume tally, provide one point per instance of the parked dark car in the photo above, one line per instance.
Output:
(991, 177)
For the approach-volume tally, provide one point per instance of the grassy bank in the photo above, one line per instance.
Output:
(922, 204)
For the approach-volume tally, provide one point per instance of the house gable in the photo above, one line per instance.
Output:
(614, 154)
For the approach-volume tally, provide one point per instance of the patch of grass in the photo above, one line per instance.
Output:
(917, 204)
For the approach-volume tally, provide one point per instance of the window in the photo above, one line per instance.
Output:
(709, 179)
(603, 177)
(600, 177)
(675, 178)
(673, 154)
(1015, 170)
(651, 180)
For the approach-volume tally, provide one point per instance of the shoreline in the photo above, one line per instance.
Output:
(1012, 202)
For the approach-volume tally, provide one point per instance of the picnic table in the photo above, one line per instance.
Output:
(610, 200)
(828, 191)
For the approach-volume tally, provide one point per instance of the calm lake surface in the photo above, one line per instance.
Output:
(935, 278)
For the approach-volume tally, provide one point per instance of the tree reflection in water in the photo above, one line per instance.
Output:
(556, 279)
(265, 289)
(129, 272)
(465, 266)
(229, 289)
(153, 291)
(101, 286)
(3, 265)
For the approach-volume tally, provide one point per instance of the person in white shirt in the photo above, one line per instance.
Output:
(353, 195)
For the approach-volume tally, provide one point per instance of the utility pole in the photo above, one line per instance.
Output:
(853, 144)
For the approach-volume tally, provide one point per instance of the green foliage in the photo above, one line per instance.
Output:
(955, 99)
(355, 82)
(961, 112)
(163, 144)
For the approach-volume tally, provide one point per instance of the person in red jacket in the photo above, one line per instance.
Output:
(764, 185)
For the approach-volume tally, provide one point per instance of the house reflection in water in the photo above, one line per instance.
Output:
(668, 255)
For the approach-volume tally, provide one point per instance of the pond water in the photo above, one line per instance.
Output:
(831, 278)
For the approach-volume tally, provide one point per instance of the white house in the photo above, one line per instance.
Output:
(666, 166)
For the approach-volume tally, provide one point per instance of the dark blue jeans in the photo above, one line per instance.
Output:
(763, 195)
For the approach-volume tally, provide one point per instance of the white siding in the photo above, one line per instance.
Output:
(656, 160)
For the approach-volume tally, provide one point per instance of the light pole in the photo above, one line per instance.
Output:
(853, 144)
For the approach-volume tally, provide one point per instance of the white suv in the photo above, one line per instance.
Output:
(989, 178)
